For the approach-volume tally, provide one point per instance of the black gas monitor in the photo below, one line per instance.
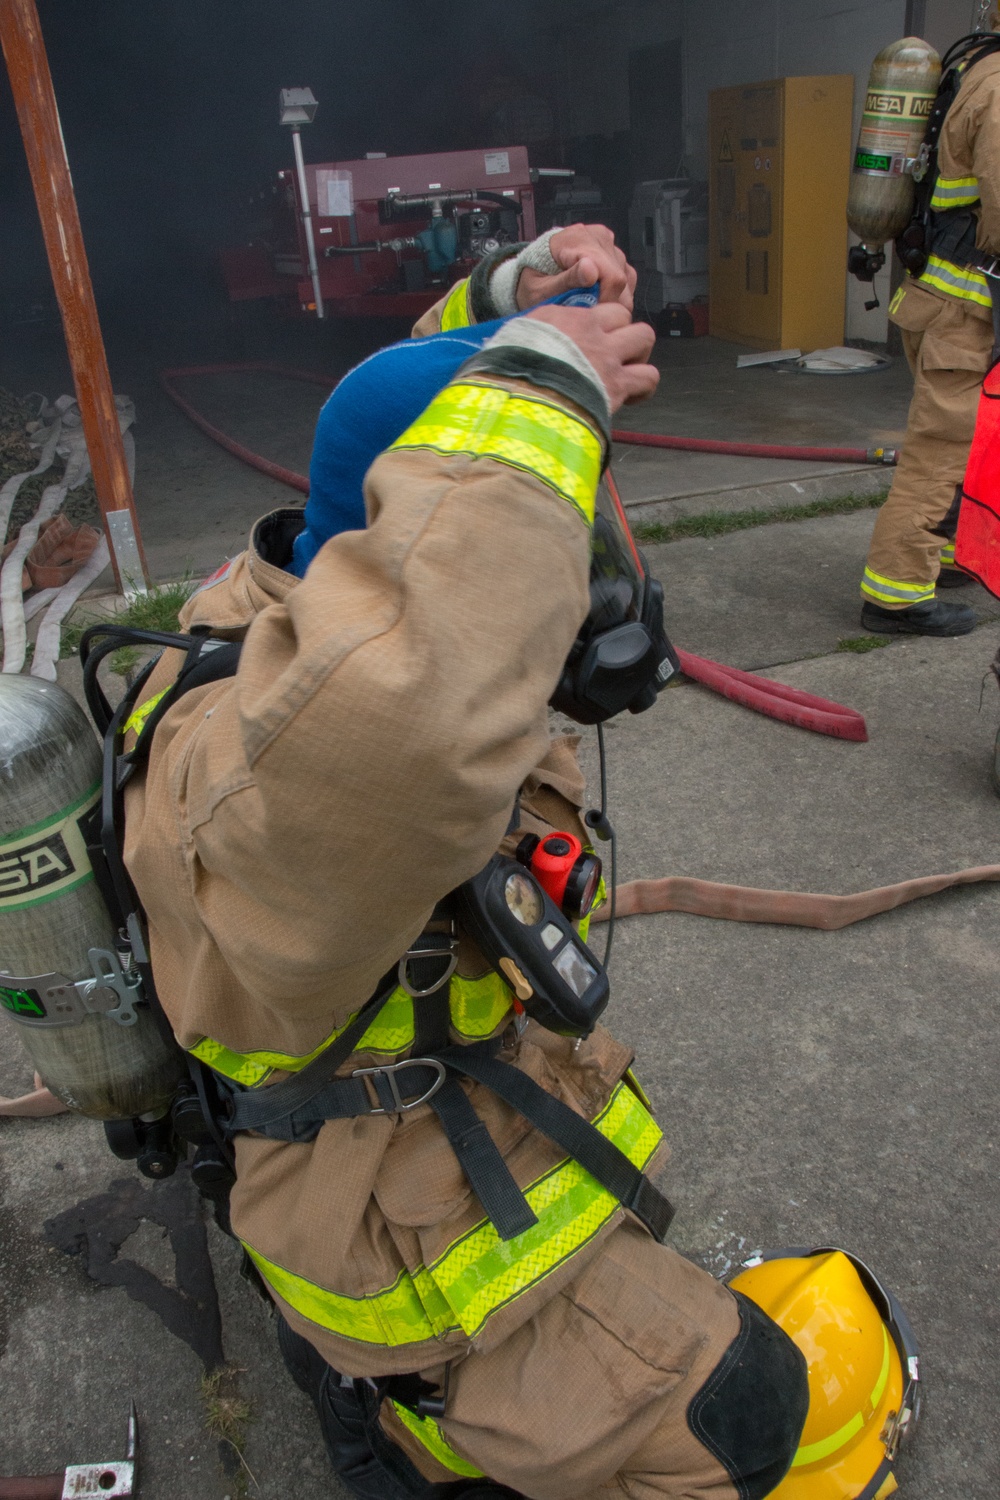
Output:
(526, 938)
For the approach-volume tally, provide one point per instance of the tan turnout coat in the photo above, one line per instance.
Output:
(295, 828)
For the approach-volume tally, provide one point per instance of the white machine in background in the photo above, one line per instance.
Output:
(668, 236)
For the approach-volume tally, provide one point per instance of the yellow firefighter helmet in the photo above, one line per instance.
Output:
(863, 1370)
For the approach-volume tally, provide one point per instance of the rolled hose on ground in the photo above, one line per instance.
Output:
(790, 705)
(774, 699)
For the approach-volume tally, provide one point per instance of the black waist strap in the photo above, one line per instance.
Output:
(400, 1087)
(953, 237)
(577, 1136)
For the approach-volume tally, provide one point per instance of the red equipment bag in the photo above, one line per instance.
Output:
(977, 543)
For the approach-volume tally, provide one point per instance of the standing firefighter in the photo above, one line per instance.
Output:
(366, 879)
(945, 313)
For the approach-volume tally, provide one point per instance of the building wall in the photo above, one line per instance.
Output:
(595, 40)
(943, 22)
(727, 43)
(745, 41)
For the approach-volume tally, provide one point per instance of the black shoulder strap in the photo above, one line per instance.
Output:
(205, 661)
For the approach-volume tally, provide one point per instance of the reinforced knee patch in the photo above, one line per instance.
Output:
(752, 1408)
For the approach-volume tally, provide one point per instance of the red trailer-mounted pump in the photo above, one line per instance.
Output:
(391, 233)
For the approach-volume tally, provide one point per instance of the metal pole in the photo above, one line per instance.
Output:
(300, 168)
(915, 23)
(31, 85)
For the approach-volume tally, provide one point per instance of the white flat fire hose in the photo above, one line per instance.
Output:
(65, 438)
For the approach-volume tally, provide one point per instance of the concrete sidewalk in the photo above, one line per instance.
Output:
(702, 394)
(816, 1087)
(196, 502)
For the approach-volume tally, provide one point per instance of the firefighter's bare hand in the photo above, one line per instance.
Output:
(617, 348)
(589, 255)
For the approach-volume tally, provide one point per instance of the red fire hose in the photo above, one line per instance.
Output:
(789, 705)
(761, 450)
(246, 455)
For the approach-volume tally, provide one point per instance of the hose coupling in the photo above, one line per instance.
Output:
(883, 456)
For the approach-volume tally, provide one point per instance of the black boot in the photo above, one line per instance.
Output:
(953, 578)
(933, 618)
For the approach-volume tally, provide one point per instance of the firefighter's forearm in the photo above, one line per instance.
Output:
(390, 710)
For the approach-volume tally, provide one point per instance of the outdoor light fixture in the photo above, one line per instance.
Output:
(297, 108)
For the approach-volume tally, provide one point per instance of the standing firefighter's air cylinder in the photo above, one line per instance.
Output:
(901, 92)
(64, 980)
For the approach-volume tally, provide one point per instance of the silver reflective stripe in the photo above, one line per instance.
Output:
(955, 192)
(892, 591)
(956, 281)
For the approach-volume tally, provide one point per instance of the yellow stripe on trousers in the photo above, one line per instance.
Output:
(427, 1431)
(894, 591)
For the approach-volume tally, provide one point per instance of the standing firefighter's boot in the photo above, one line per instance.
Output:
(933, 618)
(953, 578)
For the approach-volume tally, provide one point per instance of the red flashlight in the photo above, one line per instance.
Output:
(564, 871)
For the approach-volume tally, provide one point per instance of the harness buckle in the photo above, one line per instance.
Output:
(388, 1071)
(437, 946)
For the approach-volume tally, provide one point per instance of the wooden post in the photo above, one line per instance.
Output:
(31, 85)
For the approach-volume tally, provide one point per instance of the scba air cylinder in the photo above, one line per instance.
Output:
(901, 92)
(63, 980)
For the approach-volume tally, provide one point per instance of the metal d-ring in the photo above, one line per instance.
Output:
(388, 1071)
(448, 948)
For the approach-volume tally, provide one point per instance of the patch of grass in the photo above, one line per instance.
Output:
(157, 610)
(721, 522)
(227, 1417)
(862, 643)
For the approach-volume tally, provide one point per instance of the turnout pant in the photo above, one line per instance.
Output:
(643, 1378)
(948, 347)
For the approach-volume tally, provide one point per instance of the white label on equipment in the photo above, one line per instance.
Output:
(497, 163)
(334, 193)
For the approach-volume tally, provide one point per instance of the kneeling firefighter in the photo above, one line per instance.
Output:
(366, 877)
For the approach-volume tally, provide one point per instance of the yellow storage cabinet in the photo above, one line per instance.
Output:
(780, 169)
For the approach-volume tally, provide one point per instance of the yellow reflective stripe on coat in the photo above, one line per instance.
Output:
(526, 432)
(957, 281)
(137, 718)
(390, 1032)
(894, 591)
(240, 1067)
(427, 1431)
(455, 313)
(955, 192)
(480, 1272)
(948, 555)
(478, 1008)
